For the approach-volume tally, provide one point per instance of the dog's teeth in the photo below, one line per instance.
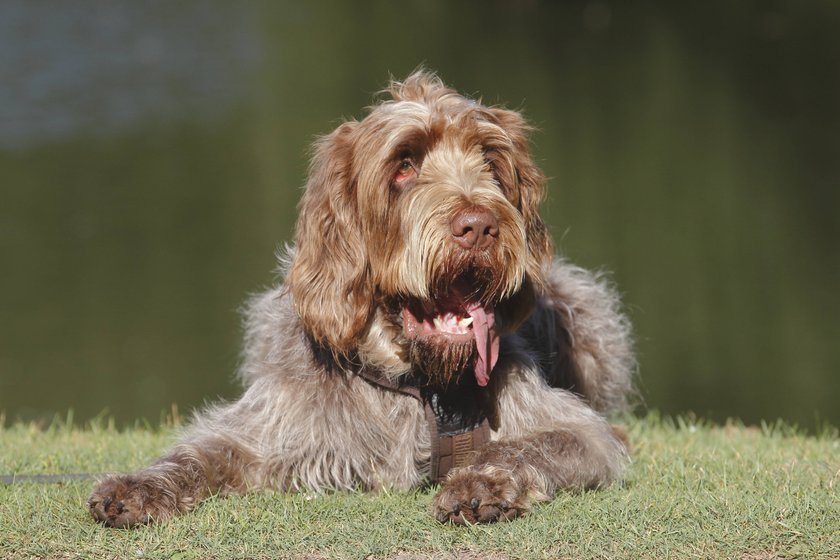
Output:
(438, 323)
(465, 322)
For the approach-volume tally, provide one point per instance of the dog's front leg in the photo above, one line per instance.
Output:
(175, 484)
(508, 475)
(549, 440)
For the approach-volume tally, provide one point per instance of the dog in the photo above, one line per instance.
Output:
(424, 332)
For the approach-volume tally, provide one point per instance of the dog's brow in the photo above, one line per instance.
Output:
(415, 141)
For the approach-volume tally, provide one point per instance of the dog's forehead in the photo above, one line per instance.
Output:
(456, 115)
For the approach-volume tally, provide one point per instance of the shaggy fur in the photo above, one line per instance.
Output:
(420, 255)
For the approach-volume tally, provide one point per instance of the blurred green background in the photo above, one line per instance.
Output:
(152, 153)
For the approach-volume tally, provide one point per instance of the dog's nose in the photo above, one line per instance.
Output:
(474, 228)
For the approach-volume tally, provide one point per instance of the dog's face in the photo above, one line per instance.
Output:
(420, 223)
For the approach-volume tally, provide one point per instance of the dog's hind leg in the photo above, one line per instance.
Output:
(548, 439)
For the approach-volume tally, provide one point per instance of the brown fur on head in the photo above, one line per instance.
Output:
(375, 229)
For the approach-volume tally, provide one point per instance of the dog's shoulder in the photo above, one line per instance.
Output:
(275, 343)
(580, 337)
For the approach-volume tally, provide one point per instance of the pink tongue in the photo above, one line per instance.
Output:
(486, 340)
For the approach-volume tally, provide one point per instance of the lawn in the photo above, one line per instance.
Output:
(694, 491)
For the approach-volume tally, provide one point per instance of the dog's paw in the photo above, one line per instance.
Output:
(479, 495)
(124, 501)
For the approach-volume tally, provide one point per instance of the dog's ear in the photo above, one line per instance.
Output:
(329, 277)
(531, 188)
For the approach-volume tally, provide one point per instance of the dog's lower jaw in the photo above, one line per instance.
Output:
(442, 363)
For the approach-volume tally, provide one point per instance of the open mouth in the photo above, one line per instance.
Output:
(455, 326)
(456, 320)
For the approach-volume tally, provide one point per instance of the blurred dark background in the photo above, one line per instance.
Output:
(152, 154)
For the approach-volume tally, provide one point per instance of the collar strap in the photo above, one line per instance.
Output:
(457, 422)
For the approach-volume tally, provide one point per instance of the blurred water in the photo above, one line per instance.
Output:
(151, 156)
(103, 68)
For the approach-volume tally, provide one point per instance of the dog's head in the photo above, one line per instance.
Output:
(421, 222)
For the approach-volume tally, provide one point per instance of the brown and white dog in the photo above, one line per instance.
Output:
(424, 325)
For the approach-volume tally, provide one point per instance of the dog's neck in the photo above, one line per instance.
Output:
(458, 416)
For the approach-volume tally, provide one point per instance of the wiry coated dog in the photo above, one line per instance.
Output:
(424, 323)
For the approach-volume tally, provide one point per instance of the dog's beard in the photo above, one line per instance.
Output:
(441, 363)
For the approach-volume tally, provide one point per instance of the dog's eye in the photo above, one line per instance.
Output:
(491, 157)
(405, 171)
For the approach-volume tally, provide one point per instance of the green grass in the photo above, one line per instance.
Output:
(694, 491)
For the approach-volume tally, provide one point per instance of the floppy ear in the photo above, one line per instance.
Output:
(531, 186)
(330, 277)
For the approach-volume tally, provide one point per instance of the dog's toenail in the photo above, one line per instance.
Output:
(120, 506)
(456, 507)
(106, 501)
(503, 504)
(474, 503)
